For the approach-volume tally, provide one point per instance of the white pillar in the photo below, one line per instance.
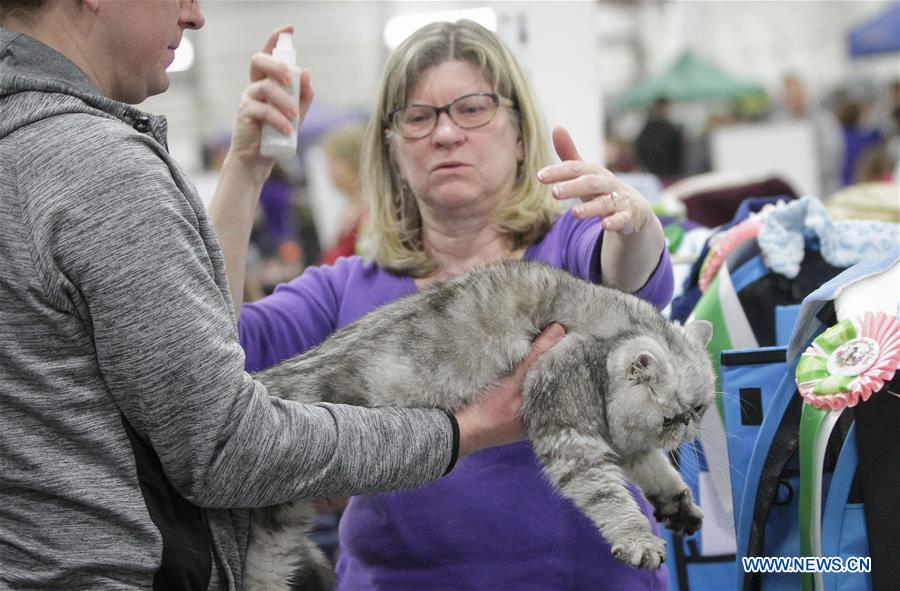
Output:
(556, 43)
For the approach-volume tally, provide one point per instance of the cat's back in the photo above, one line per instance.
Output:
(522, 297)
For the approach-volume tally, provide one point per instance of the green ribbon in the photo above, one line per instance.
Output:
(836, 336)
(811, 367)
(832, 385)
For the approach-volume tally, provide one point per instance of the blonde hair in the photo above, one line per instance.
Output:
(394, 238)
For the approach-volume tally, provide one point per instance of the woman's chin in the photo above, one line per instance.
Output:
(454, 200)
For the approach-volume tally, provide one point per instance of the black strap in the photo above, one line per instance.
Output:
(186, 552)
(784, 445)
(753, 357)
(878, 439)
(454, 452)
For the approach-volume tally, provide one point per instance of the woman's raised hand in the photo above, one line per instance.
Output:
(266, 101)
(622, 208)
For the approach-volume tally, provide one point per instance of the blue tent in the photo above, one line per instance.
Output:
(880, 34)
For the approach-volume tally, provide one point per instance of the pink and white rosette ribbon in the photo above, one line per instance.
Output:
(850, 361)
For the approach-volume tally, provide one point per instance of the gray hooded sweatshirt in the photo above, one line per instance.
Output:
(130, 435)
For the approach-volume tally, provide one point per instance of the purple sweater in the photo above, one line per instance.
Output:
(493, 522)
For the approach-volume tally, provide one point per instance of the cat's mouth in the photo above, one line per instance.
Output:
(686, 417)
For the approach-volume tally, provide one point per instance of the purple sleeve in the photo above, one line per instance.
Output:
(661, 284)
(296, 317)
(574, 245)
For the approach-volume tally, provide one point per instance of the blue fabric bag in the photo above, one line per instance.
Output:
(855, 467)
(750, 379)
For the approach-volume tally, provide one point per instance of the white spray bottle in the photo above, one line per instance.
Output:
(275, 144)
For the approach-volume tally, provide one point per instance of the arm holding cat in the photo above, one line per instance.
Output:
(477, 428)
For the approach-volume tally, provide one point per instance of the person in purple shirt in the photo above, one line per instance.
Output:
(458, 174)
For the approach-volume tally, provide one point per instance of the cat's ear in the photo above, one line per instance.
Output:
(644, 368)
(699, 331)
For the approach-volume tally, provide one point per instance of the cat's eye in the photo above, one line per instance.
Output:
(699, 410)
(669, 421)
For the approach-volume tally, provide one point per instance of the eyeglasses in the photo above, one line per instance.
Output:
(468, 112)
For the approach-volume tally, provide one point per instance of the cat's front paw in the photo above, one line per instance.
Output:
(642, 551)
(678, 512)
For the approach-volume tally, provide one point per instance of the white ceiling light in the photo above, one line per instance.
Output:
(399, 28)
(184, 57)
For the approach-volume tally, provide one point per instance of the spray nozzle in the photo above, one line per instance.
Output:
(284, 49)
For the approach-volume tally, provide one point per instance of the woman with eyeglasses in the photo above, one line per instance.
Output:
(458, 174)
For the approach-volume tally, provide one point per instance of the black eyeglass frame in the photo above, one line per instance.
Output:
(498, 102)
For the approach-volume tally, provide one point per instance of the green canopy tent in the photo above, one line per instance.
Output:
(691, 78)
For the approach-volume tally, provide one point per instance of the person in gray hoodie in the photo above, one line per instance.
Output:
(131, 439)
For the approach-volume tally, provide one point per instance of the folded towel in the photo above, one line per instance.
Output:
(783, 235)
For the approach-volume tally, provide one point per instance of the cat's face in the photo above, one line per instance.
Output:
(659, 390)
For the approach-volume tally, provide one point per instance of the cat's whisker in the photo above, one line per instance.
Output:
(738, 470)
(715, 431)
(742, 404)
(711, 457)
(675, 460)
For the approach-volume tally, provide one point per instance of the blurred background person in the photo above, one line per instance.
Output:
(829, 142)
(343, 147)
(859, 136)
(660, 144)
(275, 254)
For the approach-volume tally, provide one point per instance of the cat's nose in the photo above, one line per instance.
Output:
(685, 419)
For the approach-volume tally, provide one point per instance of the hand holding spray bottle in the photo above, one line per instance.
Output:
(274, 143)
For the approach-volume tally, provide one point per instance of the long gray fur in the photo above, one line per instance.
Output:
(600, 407)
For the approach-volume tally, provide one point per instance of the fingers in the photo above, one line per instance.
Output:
(582, 180)
(552, 334)
(496, 417)
(306, 93)
(266, 101)
(564, 145)
(263, 65)
(595, 186)
(574, 177)
(268, 66)
(621, 222)
(271, 92)
(617, 215)
(273, 37)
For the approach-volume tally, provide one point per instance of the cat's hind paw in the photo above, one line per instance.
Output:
(678, 513)
(646, 551)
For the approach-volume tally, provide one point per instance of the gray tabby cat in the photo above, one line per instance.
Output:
(600, 406)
